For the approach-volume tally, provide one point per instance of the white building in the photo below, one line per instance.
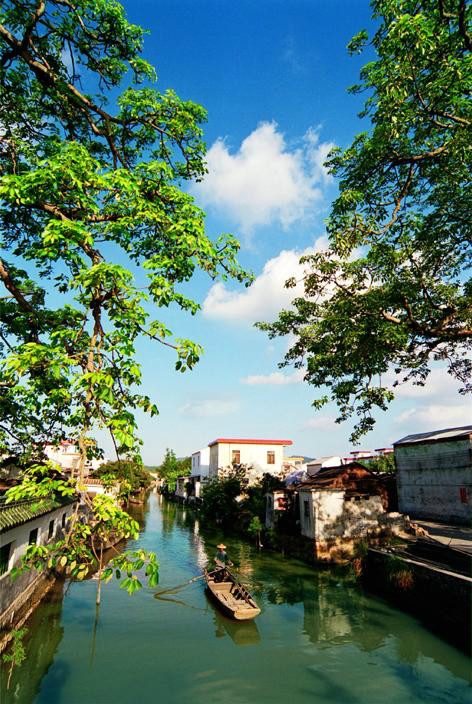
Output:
(22, 523)
(200, 463)
(264, 456)
(66, 454)
(198, 473)
(316, 465)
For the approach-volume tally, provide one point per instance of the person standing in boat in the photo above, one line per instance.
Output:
(221, 557)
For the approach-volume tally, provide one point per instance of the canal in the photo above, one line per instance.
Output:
(319, 638)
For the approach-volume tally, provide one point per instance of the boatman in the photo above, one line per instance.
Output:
(221, 557)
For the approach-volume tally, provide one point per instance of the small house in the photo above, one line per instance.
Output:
(338, 507)
(434, 475)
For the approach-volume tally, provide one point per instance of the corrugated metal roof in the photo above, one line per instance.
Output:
(19, 512)
(435, 435)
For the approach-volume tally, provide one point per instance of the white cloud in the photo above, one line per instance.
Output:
(265, 181)
(205, 408)
(439, 383)
(267, 295)
(274, 379)
(435, 416)
(320, 423)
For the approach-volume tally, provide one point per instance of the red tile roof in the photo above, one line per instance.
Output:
(248, 441)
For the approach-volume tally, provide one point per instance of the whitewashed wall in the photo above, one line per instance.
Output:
(19, 535)
(256, 455)
(201, 462)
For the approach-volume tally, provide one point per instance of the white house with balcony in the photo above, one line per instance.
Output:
(66, 454)
(264, 456)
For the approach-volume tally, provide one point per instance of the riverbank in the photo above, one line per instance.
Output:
(422, 589)
(319, 638)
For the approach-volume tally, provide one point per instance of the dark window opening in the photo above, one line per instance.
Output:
(5, 557)
(306, 509)
(63, 520)
(50, 530)
(33, 537)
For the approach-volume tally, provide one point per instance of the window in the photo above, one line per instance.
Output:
(306, 508)
(236, 457)
(271, 458)
(63, 523)
(5, 557)
(33, 537)
(50, 530)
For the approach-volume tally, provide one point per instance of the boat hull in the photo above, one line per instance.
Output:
(230, 596)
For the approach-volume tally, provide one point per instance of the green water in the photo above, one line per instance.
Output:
(319, 639)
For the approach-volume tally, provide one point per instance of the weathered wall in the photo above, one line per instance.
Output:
(336, 521)
(435, 480)
(31, 588)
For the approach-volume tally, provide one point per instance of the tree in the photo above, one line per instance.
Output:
(96, 233)
(131, 475)
(219, 500)
(384, 463)
(391, 293)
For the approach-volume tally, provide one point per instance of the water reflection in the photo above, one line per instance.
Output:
(336, 612)
(240, 632)
(41, 643)
(318, 639)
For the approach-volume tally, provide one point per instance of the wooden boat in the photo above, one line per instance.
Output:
(233, 599)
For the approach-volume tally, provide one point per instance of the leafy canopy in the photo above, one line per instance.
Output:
(97, 231)
(393, 291)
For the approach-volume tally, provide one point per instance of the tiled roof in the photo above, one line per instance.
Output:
(18, 512)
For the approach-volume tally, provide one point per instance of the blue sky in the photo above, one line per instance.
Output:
(273, 76)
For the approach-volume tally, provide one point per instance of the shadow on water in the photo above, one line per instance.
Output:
(240, 632)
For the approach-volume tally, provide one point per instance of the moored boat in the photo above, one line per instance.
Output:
(230, 595)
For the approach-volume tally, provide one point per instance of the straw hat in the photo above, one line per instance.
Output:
(221, 546)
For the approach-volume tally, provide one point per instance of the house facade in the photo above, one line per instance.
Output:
(23, 523)
(200, 463)
(66, 454)
(434, 475)
(264, 456)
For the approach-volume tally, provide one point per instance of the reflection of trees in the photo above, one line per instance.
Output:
(139, 512)
(41, 642)
(168, 516)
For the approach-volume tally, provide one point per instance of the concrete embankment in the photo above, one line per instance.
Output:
(438, 597)
(20, 598)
